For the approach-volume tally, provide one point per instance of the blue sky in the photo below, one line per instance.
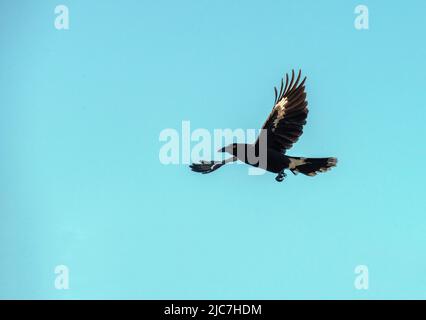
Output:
(81, 183)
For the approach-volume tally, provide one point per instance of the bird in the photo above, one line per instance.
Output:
(281, 130)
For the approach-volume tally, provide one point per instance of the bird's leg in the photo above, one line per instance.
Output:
(281, 175)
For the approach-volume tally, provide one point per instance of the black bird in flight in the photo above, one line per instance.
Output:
(283, 127)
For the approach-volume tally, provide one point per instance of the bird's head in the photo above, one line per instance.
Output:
(231, 148)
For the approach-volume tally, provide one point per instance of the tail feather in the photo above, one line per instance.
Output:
(311, 166)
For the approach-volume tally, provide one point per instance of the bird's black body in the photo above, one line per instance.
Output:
(282, 128)
(275, 161)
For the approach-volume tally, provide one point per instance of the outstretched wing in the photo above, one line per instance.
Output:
(206, 166)
(284, 125)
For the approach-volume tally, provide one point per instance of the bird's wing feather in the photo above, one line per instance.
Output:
(285, 123)
(206, 166)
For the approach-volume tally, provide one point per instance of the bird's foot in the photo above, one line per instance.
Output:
(280, 177)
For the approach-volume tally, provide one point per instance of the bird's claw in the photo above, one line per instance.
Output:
(280, 177)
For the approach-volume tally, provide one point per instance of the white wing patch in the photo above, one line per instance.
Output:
(280, 108)
(294, 163)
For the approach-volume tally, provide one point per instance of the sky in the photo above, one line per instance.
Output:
(82, 185)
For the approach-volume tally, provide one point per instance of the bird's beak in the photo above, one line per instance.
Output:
(221, 150)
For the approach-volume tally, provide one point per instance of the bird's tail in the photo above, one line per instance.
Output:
(311, 166)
